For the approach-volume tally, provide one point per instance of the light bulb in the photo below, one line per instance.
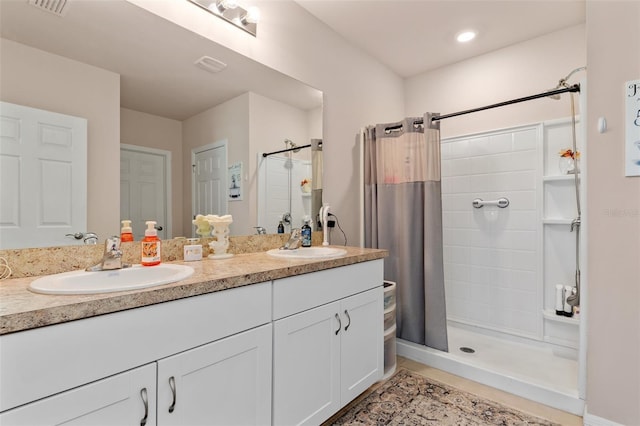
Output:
(223, 5)
(252, 16)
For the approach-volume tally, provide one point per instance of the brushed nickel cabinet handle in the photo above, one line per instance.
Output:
(349, 318)
(172, 385)
(145, 401)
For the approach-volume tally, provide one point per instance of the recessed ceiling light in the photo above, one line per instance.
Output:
(466, 36)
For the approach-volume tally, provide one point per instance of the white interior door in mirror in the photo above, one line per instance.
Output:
(43, 177)
(210, 179)
(145, 188)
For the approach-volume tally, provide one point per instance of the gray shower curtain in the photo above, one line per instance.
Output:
(403, 214)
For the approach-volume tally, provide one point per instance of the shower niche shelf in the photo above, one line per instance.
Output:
(556, 221)
(552, 178)
(558, 203)
(551, 316)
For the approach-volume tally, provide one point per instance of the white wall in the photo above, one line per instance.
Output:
(39, 79)
(152, 131)
(613, 207)
(519, 70)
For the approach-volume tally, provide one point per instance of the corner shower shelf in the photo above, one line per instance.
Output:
(551, 178)
(557, 221)
(551, 316)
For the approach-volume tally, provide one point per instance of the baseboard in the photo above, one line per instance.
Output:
(592, 420)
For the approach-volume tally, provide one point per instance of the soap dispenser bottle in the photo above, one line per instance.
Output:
(150, 245)
(280, 228)
(306, 232)
(126, 232)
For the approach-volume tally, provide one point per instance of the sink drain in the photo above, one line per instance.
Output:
(467, 350)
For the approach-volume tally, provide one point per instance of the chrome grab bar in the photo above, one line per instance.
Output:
(501, 203)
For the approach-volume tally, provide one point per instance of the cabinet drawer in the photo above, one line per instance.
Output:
(302, 292)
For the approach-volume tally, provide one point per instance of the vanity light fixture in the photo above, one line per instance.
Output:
(465, 36)
(232, 12)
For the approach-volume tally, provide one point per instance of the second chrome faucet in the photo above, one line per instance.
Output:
(294, 240)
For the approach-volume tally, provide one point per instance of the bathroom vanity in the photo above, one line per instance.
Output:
(248, 340)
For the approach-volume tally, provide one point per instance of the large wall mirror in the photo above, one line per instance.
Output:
(168, 135)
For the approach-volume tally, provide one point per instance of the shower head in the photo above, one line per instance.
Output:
(563, 83)
(292, 145)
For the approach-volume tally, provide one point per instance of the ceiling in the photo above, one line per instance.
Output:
(155, 58)
(412, 37)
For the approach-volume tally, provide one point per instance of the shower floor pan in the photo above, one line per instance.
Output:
(532, 371)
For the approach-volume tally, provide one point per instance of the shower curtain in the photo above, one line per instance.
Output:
(403, 214)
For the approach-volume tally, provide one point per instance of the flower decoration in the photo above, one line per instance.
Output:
(305, 181)
(569, 153)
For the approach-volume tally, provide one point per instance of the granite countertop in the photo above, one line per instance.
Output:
(21, 309)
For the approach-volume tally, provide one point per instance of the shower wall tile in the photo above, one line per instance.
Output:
(524, 140)
(491, 269)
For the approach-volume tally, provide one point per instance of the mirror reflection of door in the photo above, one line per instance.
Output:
(209, 182)
(144, 189)
(43, 177)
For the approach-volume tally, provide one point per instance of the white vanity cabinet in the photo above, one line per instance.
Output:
(328, 341)
(291, 351)
(216, 347)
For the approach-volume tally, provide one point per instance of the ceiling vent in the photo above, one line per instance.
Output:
(210, 64)
(57, 7)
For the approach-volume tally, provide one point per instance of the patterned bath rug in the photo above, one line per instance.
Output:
(410, 399)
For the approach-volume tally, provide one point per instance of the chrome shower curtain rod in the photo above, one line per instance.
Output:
(295, 148)
(574, 88)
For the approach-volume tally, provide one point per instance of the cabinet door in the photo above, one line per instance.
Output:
(306, 366)
(227, 382)
(124, 399)
(362, 347)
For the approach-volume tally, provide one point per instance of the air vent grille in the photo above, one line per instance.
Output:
(210, 64)
(57, 7)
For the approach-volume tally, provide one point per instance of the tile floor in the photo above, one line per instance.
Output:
(493, 394)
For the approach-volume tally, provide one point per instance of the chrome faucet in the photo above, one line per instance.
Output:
(260, 230)
(294, 240)
(112, 258)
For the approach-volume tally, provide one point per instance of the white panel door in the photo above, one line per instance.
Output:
(227, 382)
(210, 180)
(43, 177)
(124, 399)
(144, 194)
(306, 366)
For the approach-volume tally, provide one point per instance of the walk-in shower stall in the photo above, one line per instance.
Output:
(511, 254)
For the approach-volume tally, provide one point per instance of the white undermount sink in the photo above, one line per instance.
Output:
(133, 278)
(308, 253)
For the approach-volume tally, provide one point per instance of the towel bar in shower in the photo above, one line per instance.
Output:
(501, 202)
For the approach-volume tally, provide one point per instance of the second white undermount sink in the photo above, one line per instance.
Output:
(308, 253)
(133, 278)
